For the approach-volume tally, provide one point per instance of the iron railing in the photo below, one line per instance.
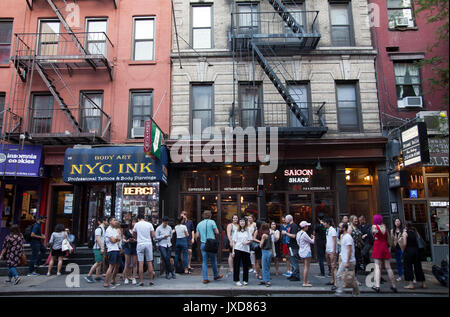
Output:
(61, 47)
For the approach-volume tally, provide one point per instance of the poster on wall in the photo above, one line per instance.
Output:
(442, 216)
(68, 201)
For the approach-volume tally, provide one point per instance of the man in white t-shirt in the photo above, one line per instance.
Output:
(112, 240)
(348, 260)
(144, 233)
(330, 251)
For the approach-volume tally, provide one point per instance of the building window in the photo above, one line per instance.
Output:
(407, 80)
(91, 114)
(144, 39)
(5, 41)
(96, 37)
(300, 95)
(250, 105)
(141, 108)
(348, 107)
(42, 114)
(48, 38)
(341, 24)
(248, 18)
(2, 111)
(202, 27)
(202, 100)
(400, 13)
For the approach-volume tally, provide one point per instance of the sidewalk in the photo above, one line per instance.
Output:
(192, 285)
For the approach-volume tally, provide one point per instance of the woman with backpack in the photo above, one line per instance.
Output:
(55, 244)
(12, 251)
(411, 258)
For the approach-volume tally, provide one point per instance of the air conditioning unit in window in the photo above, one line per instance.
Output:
(137, 132)
(436, 121)
(410, 102)
(402, 21)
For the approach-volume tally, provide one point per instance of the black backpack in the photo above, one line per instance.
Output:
(27, 233)
(91, 241)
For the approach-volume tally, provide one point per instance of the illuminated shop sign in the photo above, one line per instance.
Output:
(439, 203)
(298, 176)
(415, 145)
(130, 191)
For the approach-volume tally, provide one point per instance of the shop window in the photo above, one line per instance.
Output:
(229, 207)
(437, 186)
(238, 179)
(299, 178)
(275, 206)
(5, 41)
(135, 198)
(91, 111)
(202, 35)
(300, 207)
(202, 101)
(249, 206)
(400, 14)
(96, 37)
(209, 202)
(144, 39)
(199, 181)
(341, 24)
(407, 81)
(436, 169)
(439, 222)
(416, 188)
(348, 107)
(416, 213)
(360, 202)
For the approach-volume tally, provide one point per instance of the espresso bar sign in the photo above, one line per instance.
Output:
(415, 145)
(299, 176)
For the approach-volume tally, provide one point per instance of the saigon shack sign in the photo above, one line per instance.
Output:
(299, 176)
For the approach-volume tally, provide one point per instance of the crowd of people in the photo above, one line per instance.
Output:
(346, 249)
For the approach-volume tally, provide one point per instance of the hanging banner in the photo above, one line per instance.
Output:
(152, 139)
(415, 145)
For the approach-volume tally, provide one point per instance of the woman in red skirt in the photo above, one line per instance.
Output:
(381, 253)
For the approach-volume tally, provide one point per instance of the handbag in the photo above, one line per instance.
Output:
(66, 246)
(211, 245)
(23, 260)
(254, 246)
(348, 278)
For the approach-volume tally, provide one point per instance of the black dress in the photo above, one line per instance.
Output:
(411, 259)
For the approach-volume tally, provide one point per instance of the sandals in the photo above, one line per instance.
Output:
(307, 285)
(376, 289)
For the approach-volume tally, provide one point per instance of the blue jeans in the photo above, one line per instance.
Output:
(12, 272)
(266, 257)
(399, 257)
(294, 263)
(205, 257)
(181, 246)
(37, 253)
(165, 255)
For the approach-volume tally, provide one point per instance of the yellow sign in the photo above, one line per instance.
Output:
(138, 190)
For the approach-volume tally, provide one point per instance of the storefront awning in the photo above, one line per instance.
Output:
(113, 164)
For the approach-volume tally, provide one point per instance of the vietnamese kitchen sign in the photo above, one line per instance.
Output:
(113, 164)
(20, 160)
(415, 145)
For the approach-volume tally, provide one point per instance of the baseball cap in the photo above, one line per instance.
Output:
(304, 224)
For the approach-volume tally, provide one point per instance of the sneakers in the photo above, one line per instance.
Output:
(287, 274)
(238, 284)
(399, 279)
(205, 281)
(251, 271)
(58, 274)
(126, 282)
(17, 280)
(244, 283)
(320, 276)
(48, 274)
(89, 279)
(141, 284)
(114, 285)
(34, 274)
(133, 281)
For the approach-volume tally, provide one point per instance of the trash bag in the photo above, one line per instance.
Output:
(441, 273)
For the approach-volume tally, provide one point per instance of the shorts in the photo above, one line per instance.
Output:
(258, 254)
(189, 243)
(98, 256)
(144, 250)
(129, 251)
(308, 255)
(285, 249)
(331, 260)
(114, 257)
(57, 253)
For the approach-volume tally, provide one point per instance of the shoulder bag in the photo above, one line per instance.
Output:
(211, 245)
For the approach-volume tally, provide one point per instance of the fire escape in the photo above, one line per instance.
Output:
(271, 39)
(48, 57)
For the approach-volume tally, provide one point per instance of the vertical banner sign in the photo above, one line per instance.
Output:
(147, 136)
(415, 145)
(155, 147)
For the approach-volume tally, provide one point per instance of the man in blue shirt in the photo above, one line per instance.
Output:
(37, 247)
(207, 229)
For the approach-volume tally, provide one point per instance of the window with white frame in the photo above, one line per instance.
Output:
(407, 80)
(300, 95)
(96, 37)
(42, 111)
(141, 108)
(91, 113)
(202, 104)
(348, 107)
(400, 13)
(144, 39)
(49, 32)
(202, 26)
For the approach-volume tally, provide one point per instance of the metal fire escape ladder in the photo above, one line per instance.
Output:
(287, 17)
(72, 35)
(282, 89)
(62, 104)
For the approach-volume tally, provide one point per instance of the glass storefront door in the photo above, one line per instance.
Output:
(99, 205)
(300, 207)
(416, 212)
(61, 212)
